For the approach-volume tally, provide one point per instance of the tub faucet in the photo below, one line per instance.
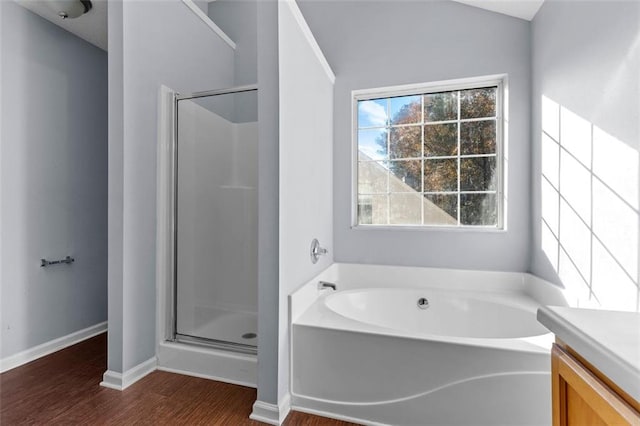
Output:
(324, 284)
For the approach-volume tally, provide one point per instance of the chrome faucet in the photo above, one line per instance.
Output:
(324, 284)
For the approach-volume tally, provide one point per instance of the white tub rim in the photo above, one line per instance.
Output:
(508, 300)
(524, 287)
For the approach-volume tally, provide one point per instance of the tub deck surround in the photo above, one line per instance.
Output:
(609, 340)
(475, 355)
(516, 293)
(350, 276)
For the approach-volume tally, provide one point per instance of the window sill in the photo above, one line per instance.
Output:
(469, 229)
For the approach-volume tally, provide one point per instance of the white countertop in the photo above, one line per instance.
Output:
(609, 340)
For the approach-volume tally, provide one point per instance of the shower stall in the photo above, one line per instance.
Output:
(215, 220)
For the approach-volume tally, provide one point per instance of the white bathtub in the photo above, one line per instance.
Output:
(475, 356)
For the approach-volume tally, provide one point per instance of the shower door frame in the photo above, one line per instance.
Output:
(174, 336)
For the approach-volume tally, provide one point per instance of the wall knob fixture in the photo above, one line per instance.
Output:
(316, 251)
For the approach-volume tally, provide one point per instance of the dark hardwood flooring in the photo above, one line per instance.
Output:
(64, 389)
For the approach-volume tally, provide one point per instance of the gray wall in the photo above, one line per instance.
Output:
(54, 181)
(268, 201)
(116, 187)
(388, 43)
(147, 53)
(238, 19)
(586, 61)
(306, 155)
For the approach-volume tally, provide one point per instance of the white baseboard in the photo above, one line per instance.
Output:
(270, 413)
(50, 347)
(121, 381)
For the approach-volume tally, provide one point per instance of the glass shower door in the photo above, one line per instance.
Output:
(216, 219)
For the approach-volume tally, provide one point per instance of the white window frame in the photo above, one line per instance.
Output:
(499, 80)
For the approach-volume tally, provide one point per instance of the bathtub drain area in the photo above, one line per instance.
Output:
(423, 303)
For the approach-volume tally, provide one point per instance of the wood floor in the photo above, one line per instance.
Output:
(63, 389)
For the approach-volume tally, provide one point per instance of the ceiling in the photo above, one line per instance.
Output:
(92, 26)
(523, 9)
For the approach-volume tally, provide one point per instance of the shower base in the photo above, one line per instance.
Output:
(220, 325)
(210, 344)
(208, 363)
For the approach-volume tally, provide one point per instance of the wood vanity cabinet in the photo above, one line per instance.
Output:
(583, 396)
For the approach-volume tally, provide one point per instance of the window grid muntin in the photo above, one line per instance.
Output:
(443, 157)
(427, 123)
(499, 166)
(459, 148)
(422, 161)
(388, 158)
(428, 193)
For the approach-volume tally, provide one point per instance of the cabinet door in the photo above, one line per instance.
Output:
(580, 398)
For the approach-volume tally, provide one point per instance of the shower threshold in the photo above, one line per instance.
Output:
(217, 344)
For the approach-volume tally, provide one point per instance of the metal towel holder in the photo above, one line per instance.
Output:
(68, 260)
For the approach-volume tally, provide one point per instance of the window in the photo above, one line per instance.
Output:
(429, 155)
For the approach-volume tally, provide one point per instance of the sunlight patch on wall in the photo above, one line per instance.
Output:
(590, 201)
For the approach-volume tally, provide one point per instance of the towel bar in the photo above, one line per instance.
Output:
(68, 260)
